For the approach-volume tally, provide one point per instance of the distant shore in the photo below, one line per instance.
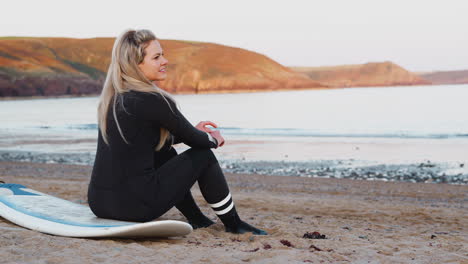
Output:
(11, 98)
(362, 221)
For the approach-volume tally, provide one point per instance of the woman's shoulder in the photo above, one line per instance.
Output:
(139, 99)
(142, 97)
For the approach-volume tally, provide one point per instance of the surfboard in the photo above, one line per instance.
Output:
(52, 215)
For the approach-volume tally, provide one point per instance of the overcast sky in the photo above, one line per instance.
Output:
(420, 35)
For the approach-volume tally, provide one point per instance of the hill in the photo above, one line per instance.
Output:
(446, 77)
(58, 66)
(363, 75)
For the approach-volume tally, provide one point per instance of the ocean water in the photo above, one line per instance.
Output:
(401, 112)
(387, 125)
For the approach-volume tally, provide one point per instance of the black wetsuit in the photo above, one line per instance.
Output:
(134, 182)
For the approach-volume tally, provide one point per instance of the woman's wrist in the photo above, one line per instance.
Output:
(212, 139)
(217, 135)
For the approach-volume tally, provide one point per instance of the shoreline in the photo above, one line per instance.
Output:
(427, 171)
(14, 98)
(20, 98)
(385, 222)
(233, 91)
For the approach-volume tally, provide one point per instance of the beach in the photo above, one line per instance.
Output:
(362, 221)
(340, 176)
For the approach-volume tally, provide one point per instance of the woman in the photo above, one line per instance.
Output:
(137, 174)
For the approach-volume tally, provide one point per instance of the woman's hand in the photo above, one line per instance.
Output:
(217, 135)
(202, 126)
(214, 133)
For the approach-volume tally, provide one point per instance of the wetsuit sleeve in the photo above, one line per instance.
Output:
(176, 140)
(211, 138)
(154, 108)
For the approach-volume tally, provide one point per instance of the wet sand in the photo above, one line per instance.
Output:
(363, 221)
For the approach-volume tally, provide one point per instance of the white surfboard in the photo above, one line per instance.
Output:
(52, 215)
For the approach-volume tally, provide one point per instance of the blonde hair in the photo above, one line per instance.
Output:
(124, 75)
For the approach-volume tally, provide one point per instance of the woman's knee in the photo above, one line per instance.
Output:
(204, 154)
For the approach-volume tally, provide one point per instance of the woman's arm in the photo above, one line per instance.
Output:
(177, 140)
(153, 107)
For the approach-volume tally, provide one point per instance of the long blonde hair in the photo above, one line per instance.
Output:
(124, 75)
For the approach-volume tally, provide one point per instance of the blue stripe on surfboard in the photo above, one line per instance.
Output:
(16, 189)
(52, 219)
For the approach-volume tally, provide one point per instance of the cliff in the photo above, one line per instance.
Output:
(362, 75)
(58, 66)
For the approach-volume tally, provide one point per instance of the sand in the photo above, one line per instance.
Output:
(363, 221)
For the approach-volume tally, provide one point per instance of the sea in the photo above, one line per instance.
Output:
(413, 133)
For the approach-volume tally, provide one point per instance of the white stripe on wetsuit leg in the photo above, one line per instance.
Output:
(225, 210)
(219, 204)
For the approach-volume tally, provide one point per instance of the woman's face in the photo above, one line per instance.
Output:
(154, 63)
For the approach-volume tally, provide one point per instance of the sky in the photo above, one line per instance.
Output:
(419, 35)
